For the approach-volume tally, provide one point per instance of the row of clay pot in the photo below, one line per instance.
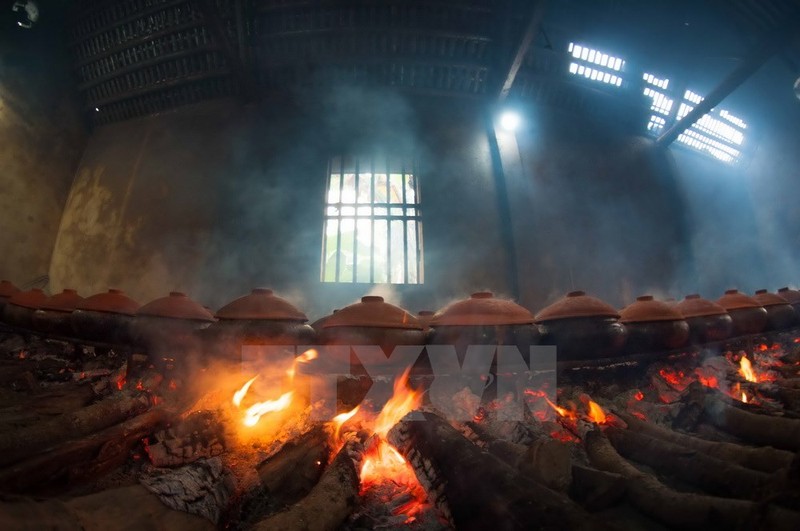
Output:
(581, 326)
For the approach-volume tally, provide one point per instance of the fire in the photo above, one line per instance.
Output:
(339, 421)
(639, 396)
(674, 378)
(566, 413)
(746, 369)
(596, 413)
(305, 357)
(744, 397)
(383, 465)
(257, 410)
(239, 395)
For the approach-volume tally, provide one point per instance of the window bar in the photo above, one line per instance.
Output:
(355, 225)
(403, 182)
(325, 229)
(372, 220)
(388, 222)
(418, 227)
(339, 225)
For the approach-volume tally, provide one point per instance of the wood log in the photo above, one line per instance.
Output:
(82, 459)
(475, 489)
(596, 489)
(121, 509)
(764, 430)
(713, 475)
(25, 442)
(291, 473)
(55, 401)
(685, 510)
(790, 398)
(544, 460)
(328, 504)
(765, 459)
(203, 488)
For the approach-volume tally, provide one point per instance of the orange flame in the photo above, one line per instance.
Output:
(305, 357)
(744, 397)
(257, 410)
(596, 413)
(746, 369)
(382, 462)
(339, 421)
(239, 395)
(561, 411)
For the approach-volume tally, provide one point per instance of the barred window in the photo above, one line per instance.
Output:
(373, 225)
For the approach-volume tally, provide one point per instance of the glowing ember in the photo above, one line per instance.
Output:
(239, 395)
(674, 378)
(639, 396)
(257, 410)
(708, 381)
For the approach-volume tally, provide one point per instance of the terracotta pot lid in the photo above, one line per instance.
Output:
(112, 301)
(765, 298)
(373, 312)
(734, 300)
(66, 301)
(33, 298)
(263, 304)
(576, 304)
(482, 309)
(7, 289)
(646, 309)
(791, 295)
(696, 306)
(176, 306)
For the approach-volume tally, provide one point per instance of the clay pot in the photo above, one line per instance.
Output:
(792, 296)
(54, 316)
(19, 309)
(749, 317)
(167, 328)
(582, 327)
(7, 289)
(371, 322)
(483, 319)
(653, 325)
(260, 318)
(708, 321)
(780, 314)
(317, 325)
(105, 317)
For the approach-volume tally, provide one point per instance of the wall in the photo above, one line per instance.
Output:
(219, 198)
(41, 139)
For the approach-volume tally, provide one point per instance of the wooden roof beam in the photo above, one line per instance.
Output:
(530, 33)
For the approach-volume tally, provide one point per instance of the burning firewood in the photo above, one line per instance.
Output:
(759, 429)
(476, 489)
(328, 504)
(81, 459)
(684, 510)
(293, 471)
(18, 444)
(765, 459)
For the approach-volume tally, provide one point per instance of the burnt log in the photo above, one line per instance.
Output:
(292, 471)
(596, 489)
(680, 509)
(758, 429)
(475, 489)
(82, 459)
(765, 459)
(125, 508)
(328, 504)
(713, 475)
(30, 409)
(28, 441)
